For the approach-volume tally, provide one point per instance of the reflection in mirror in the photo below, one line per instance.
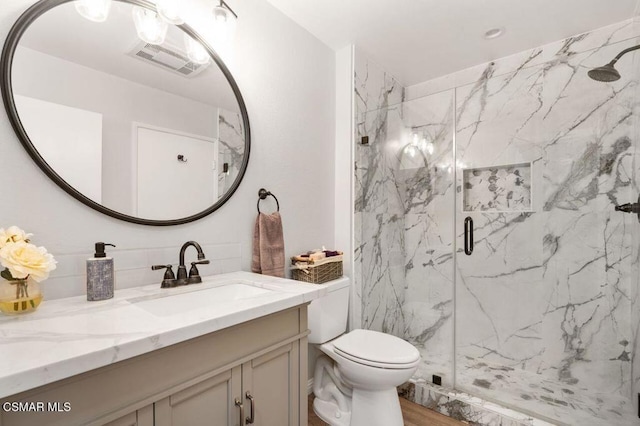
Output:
(151, 131)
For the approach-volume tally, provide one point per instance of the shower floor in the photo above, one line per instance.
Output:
(533, 395)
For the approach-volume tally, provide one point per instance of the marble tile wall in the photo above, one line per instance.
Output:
(608, 35)
(545, 295)
(231, 147)
(427, 191)
(634, 294)
(543, 306)
(379, 222)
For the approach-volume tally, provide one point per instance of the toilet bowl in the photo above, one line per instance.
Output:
(355, 380)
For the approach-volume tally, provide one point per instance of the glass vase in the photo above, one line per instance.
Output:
(19, 296)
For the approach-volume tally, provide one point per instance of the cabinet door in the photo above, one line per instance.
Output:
(142, 417)
(274, 383)
(209, 402)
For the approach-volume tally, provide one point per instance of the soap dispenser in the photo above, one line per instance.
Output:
(100, 274)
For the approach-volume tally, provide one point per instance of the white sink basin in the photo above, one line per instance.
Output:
(201, 299)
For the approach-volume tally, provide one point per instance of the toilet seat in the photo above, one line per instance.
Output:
(376, 349)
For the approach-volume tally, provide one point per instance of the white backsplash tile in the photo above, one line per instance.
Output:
(133, 267)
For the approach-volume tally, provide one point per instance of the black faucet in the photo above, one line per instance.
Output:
(194, 275)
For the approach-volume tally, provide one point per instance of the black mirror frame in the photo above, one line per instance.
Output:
(6, 61)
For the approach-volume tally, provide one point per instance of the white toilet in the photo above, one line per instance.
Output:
(355, 383)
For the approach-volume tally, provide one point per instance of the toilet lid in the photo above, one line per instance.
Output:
(374, 347)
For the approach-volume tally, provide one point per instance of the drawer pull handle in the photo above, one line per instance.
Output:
(251, 419)
(239, 404)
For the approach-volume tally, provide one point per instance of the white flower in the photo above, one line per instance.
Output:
(24, 259)
(13, 235)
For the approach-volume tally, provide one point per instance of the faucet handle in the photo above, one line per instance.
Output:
(169, 279)
(194, 275)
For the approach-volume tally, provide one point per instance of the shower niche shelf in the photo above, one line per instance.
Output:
(497, 189)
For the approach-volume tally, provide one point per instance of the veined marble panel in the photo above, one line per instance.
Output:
(545, 295)
(547, 317)
(376, 183)
(499, 121)
(588, 125)
(355, 304)
(375, 91)
(427, 189)
(425, 155)
(231, 147)
(382, 260)
(375, 88)
(595, 39)
(634, 293)
(428, 304)
(380, 252)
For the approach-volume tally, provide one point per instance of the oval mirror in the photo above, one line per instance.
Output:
(152, 132)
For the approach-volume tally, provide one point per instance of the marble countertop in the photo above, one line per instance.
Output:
(70, 336)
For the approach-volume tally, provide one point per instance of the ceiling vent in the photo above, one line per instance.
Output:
(167, 57)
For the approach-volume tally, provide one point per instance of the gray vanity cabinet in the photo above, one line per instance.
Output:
(209, 402)
(272, 380)
(192, 383)
(266, 386)
(141, 417)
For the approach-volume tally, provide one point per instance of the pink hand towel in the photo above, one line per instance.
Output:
(268, 245)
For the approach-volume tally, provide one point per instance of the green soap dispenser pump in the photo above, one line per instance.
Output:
(100, 274)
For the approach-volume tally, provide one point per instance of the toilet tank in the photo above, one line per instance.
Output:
(327, 315)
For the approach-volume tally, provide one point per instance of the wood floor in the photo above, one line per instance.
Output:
(414, 415)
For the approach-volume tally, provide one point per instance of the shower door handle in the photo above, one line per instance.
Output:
(468, 236)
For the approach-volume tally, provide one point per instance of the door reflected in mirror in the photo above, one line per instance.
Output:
(153, 133)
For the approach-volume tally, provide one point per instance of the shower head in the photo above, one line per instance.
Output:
(607, 72)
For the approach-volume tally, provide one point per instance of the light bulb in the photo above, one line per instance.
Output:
(411, 150)
(223, 29)
(430, 148)
(221, 14)
(170, 11)
(151, 29)
(196, 51)
(93, 10)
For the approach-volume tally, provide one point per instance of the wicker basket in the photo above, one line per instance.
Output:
(318, 274)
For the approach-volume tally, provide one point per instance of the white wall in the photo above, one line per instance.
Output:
(70, 139)
(344, 157)
(287, 79)
(121, 102)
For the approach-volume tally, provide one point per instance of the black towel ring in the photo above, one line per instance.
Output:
(262, 194)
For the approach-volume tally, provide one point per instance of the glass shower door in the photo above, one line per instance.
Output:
(404, 227)
(542, 300)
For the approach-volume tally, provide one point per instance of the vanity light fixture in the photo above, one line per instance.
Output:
(195, 51)
(150, 27)
(170, 11)
(224, 25)
(223, 14)
(93, 10)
